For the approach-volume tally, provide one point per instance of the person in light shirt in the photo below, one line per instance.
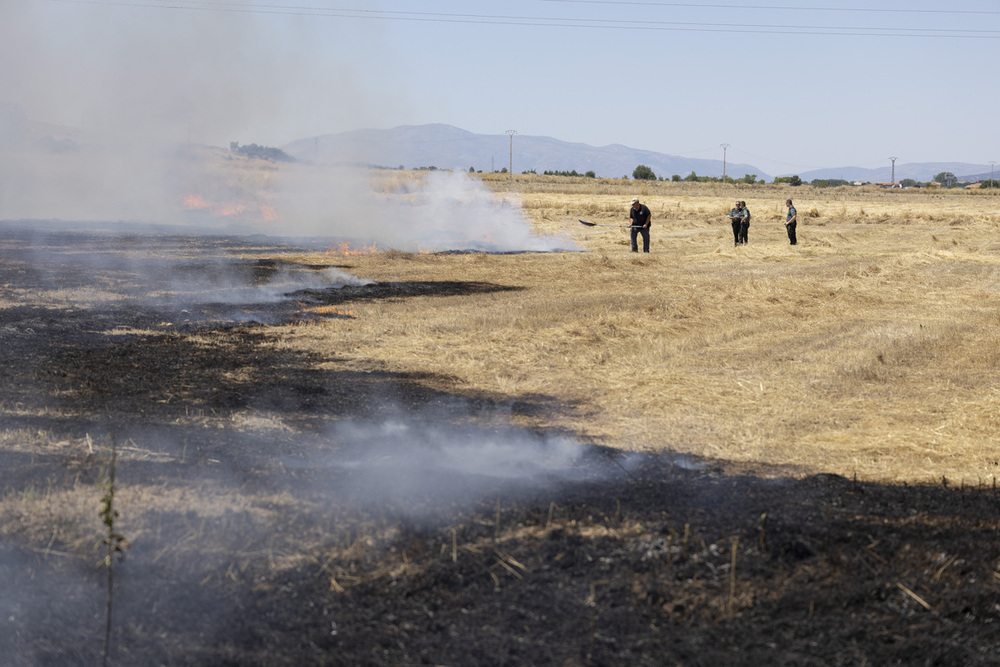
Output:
(790, 221)
(744, 222)
(736, 218)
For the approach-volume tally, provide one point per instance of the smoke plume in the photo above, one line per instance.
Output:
(421, 463)
(122, 112)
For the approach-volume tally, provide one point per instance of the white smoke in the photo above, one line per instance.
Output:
(213, 278)
(198, 191)
(123, 113)
(101, 96)
(424, 462)
(438, 210)
(229, 287)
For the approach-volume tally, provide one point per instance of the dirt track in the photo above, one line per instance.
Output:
(265, 532)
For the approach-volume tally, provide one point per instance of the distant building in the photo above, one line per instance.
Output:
(881, 185)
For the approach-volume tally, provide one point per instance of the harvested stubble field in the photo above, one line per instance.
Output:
(705, 455)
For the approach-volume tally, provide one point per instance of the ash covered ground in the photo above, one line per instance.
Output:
(285, 509)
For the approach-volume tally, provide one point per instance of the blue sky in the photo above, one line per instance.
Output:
(790, 89)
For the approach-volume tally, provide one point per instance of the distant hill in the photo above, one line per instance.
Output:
(918, 171)
(447, 147)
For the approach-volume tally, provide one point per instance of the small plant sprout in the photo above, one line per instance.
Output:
(114, 542)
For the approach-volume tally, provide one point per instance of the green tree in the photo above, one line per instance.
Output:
(828, 182)
(750, 178)
(643, 173)
(947, 179)
(590, 174)
(692, 177)
(260, 152)
(908, 183)
(676, 178)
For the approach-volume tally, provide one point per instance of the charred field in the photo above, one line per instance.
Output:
(290, 503)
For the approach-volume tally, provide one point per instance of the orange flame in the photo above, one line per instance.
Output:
(195, 202)
(319, 315)
(229, 209)
(332, 310)
(345, 248)
(268, 213)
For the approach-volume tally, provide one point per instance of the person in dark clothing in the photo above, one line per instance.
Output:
(744, 222)
(790, 221)
(734, 218)
(640, 217)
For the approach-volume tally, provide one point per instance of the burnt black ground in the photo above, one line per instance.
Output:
(612, 559)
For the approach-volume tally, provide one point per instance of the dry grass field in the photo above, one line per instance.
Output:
(349, 455)
(866, 350)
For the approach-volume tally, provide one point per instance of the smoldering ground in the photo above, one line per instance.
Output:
(157, 280)
(235, 459)
(79, 296)
(287, 507)
(432, 463)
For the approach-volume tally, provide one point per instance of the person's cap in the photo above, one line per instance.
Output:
(635, 200)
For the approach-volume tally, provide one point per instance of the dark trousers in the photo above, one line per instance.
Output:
(744, 228)
(736, 231)
(790, 228)
(635, 238)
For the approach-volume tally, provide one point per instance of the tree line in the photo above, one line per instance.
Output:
(944, 179)
(645, 173)
(260, 152)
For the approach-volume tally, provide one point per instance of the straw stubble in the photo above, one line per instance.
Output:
(867, 348)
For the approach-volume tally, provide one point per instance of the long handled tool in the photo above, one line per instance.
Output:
(599, 224)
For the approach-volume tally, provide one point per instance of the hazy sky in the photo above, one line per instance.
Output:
(790, 88)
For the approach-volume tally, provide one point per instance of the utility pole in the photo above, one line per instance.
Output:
(724, 147)
(893, 179)
(992, 162)
(510, 166)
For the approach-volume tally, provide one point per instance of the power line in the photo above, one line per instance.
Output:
(777, 7)
(552, 22)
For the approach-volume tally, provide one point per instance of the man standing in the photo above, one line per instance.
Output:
(744, 222)
(641, 217)
(736, 218)
(790, 220)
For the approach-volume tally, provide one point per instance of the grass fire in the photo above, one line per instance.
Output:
(328, 452)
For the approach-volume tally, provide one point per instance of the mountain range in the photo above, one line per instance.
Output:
(447, 147)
